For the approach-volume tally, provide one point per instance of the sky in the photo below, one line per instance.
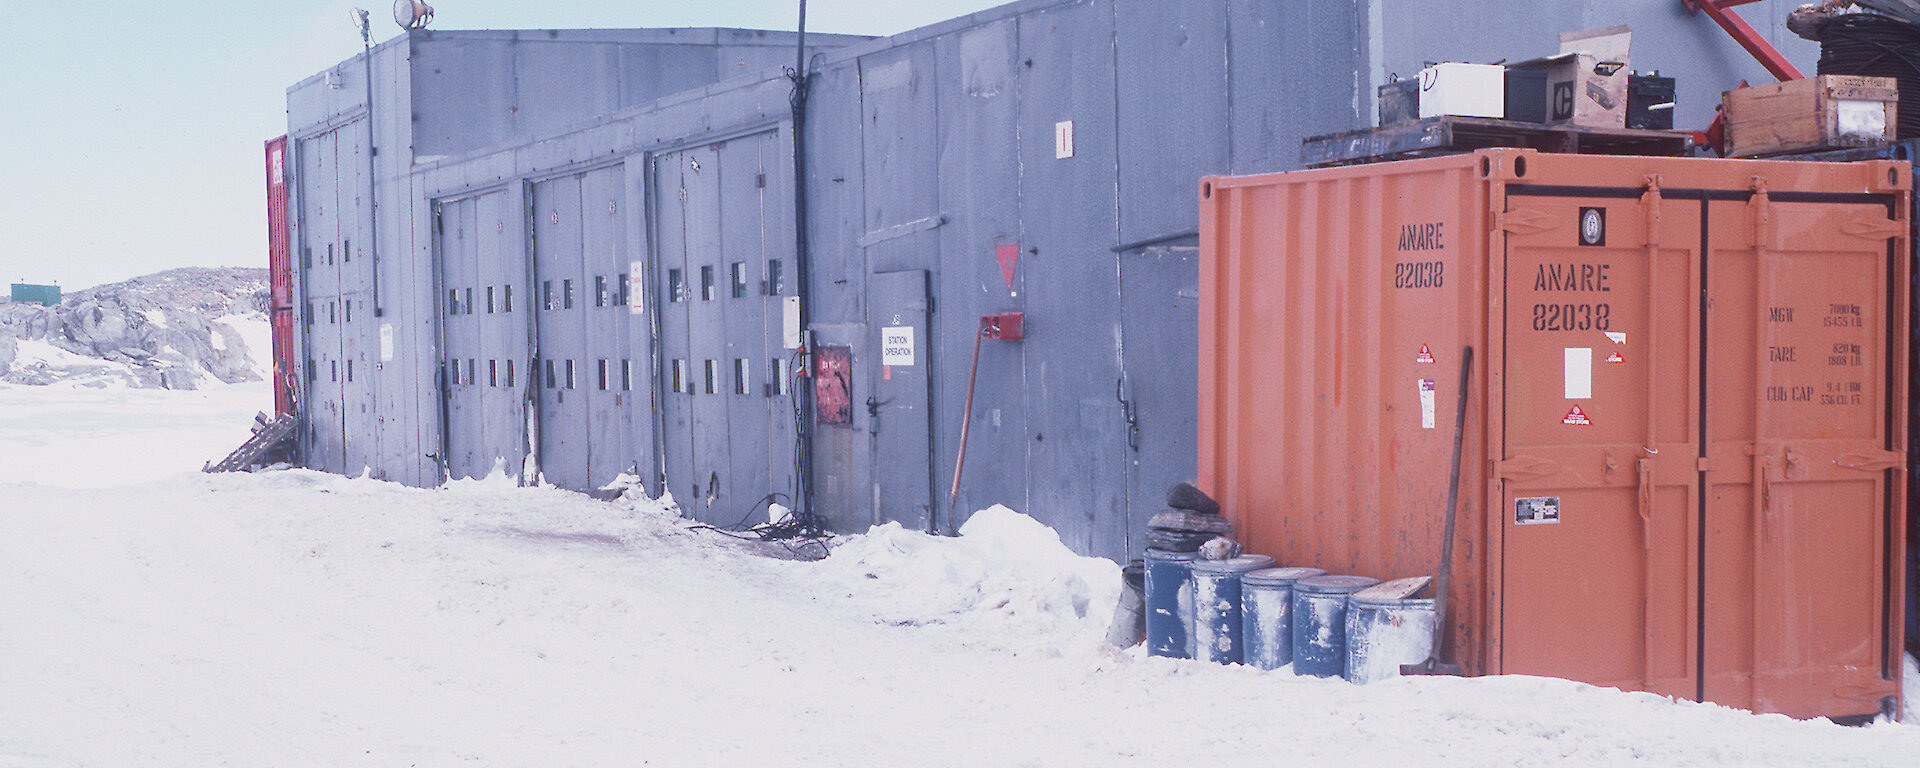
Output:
(131, 132)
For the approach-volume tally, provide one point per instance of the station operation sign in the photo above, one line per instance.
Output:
(896, 345)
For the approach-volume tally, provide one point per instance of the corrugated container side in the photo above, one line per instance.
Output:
(1312, 427)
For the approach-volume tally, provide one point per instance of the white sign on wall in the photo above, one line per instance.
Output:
(1063, 140)
(896, 345)
(386, 342)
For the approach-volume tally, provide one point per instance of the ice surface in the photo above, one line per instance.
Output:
(153, 616)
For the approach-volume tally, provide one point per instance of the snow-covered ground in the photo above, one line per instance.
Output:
(153, 616)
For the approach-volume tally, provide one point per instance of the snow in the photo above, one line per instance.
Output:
(154, 616)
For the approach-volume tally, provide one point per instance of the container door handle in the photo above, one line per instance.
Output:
(1763, 471)
(1646, 503)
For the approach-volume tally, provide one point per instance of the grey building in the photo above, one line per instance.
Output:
(573, 253)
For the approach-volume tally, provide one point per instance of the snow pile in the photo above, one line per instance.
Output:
(153, 616)
(167, 330)
(1005, 575)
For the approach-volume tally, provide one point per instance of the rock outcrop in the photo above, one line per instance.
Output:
(167, 330)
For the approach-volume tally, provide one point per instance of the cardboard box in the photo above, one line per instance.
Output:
(1463, 90)
(1825, 112)
(1587, 80)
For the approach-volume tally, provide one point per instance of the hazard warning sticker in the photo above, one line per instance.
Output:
(1425, 356)
(1615, 358)
(1577, 418)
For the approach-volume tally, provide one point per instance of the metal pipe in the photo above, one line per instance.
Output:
(803, 432)
(373, 204)
(966, 422)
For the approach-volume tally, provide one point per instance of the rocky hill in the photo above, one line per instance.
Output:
(174, 330)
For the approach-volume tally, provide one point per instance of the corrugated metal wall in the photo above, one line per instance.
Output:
(941, 188)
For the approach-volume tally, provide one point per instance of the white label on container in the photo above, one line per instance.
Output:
(790, 321)
(1536, 510)
(637, 285)
(1063, 140)
(896, 345)
(386, 342)
(1426, 403)
(1579, 373)
(1617, 337)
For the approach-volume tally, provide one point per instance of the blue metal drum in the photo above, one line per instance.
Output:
(1216, 606)
(1384, 633)
(1266, 631)
(1169, 603)
(1320, 623)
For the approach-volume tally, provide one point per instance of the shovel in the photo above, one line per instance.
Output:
(1433, 665)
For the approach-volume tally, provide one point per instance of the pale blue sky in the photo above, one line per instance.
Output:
(130, 132)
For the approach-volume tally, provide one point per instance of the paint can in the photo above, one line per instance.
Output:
(1266, 631)
(1320, 623)
(1386, 632)
(1216, 606)
(1170, 603)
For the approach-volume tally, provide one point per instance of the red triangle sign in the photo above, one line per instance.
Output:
(1577, 418)
(1425, 356)
(1615, 358)
(1009, 256)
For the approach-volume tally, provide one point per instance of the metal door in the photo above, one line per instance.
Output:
(499, 309)
(1159, 321)
(320, 275)
(607, 375)
(1708, 477)
(460, 256)
(561, 332)
(1799, 465)
(897, 312)
(673, 297)
(722, 241)
(1598, 461)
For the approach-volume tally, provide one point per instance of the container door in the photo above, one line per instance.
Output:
(897, 328)
(1598, 462)
(1800, 471)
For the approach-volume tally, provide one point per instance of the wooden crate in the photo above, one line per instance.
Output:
(1825, 112)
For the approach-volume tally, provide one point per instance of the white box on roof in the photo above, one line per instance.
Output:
(1465, 90)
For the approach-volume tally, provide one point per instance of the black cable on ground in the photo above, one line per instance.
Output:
(1876, 46)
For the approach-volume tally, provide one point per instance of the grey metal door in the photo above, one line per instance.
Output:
(721, 241)
(483, 335)
(460, 256)
(606, 375)
(673, 296)
(499, 309)
(902, 460)
(320, 228)
(562, 336)
(1159, 330)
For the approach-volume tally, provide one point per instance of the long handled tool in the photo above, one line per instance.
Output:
(1009, 326)
(1433, 665)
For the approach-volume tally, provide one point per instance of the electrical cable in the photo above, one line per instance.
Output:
(1875, 46)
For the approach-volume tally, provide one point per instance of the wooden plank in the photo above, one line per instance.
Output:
(1450, 135)
(1398, 589)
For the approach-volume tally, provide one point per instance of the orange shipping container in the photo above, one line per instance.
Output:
(1685, 432)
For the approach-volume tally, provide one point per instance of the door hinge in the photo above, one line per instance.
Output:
(1871, 461)
(1526, 468)
(1873, 227)
(1526, 222)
